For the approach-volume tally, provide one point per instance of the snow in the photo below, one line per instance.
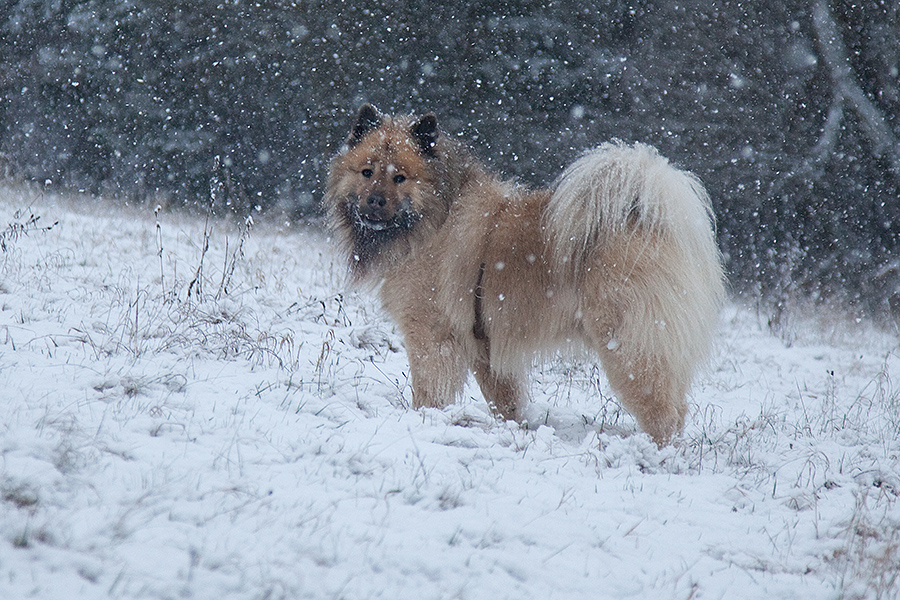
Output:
(258, 443)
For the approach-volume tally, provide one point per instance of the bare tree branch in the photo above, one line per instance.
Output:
(830, 131)
(884, 142)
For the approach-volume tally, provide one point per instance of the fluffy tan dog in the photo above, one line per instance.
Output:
(482, 275)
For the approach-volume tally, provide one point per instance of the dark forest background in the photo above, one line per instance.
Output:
(787, 110)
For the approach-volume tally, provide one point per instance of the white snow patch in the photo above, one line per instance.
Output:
(259, 443)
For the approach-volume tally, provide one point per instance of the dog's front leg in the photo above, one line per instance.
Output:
(437, 368)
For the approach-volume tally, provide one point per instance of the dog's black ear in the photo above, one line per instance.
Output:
(425, 133)
(367, 119)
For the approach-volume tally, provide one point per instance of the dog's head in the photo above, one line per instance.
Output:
(384, 183)
(384, 169)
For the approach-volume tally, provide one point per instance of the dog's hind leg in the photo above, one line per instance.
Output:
(652, 390)
(504, 394)
(634, 319)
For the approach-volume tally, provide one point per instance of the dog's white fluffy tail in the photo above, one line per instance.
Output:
(621, 196)
(617, 187)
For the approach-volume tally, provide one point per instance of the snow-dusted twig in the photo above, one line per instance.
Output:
(19, 228)
(231, 259)
(159, 250)
(216, 189)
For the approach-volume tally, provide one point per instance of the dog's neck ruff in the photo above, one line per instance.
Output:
(376, 245)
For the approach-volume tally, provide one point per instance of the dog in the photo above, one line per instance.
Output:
(485, 276)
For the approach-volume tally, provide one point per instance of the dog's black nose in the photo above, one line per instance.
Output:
(376, 200)
(375, 208)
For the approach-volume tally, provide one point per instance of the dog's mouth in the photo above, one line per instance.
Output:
(404, 218)
(366, 222)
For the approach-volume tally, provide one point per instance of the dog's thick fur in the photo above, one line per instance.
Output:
(483, 275)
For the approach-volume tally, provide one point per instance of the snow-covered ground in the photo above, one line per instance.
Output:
(249, 436)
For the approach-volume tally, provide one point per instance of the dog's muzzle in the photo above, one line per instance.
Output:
(373, 216)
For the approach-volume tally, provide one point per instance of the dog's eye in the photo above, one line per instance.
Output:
(398, 179)
(367, 173)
